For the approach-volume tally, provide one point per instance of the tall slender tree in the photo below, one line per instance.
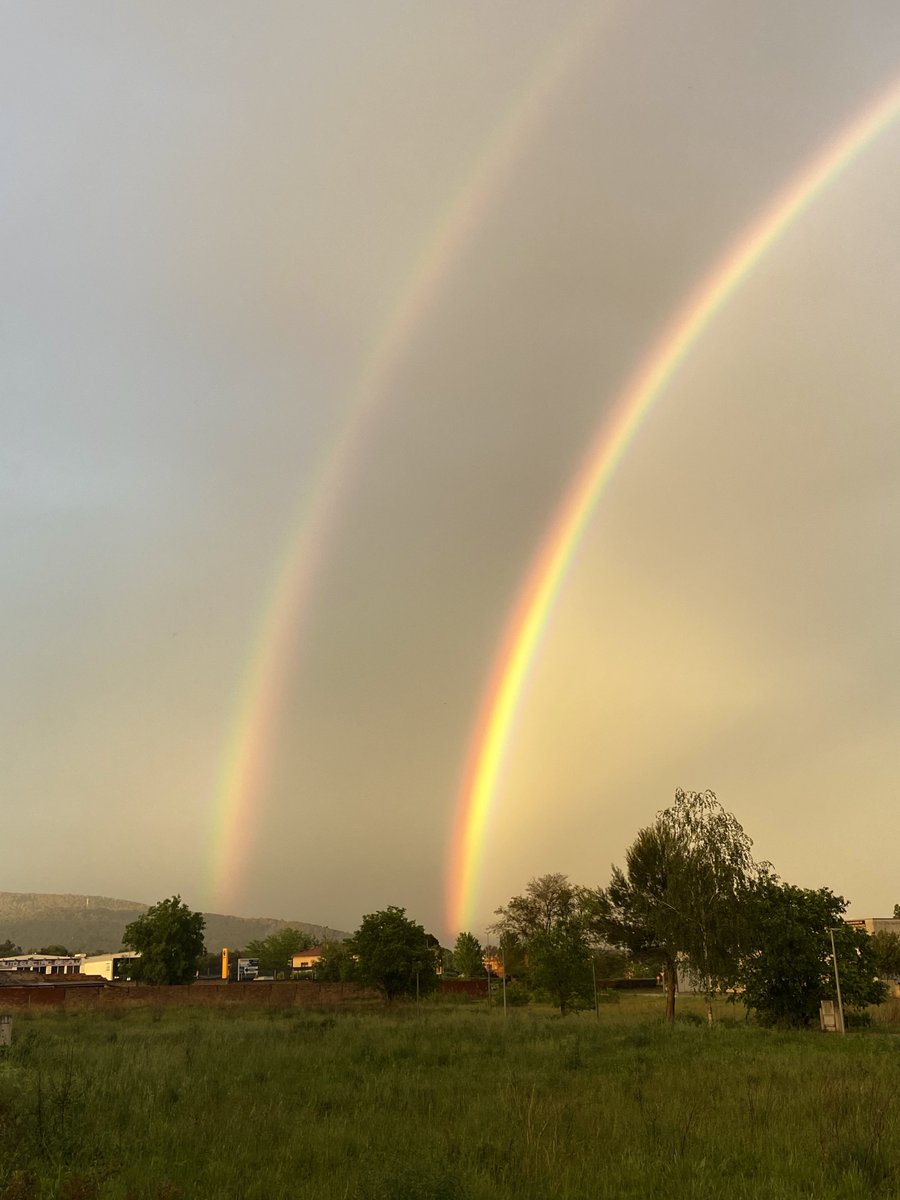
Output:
(635, 912)
(683, 894)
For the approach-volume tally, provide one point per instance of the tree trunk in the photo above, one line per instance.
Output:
(671, 981)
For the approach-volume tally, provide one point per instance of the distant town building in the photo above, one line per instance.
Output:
(307, 960)
(875, 924)
(43, 964)
(108, 966)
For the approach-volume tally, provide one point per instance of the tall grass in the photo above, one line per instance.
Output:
(447, 1103)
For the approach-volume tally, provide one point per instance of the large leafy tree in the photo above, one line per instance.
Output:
(276, 952)
(169, 937)
(468, 956)
(337, 964)
(886, 948)
(635, 912)
(682, 894)
(394, 954)
(559, 964)
(788, 967)
(547, 902)
(545, 931)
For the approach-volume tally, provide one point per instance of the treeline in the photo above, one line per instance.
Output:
(9, 949)
(689, 900)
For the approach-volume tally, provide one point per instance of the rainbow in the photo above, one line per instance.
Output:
(534, 605)
(244, 768)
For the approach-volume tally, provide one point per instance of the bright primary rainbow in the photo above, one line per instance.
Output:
(546, 576)
(245, 765)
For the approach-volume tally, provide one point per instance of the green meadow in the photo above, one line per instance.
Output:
(447, 1102)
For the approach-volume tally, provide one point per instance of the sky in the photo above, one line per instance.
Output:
(310, 315)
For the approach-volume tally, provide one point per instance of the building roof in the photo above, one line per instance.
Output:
(20, 979)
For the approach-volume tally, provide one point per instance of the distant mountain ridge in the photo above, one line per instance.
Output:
(95, 924)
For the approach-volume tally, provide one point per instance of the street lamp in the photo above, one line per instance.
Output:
(837, 981)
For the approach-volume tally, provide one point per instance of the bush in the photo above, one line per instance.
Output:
(517, 996)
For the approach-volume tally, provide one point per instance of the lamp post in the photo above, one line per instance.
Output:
(503, 961)
(837, 982)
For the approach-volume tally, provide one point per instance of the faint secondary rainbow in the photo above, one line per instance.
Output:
(244, 769)
(534, 605)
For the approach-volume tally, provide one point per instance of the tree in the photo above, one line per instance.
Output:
(468, 956)
(169, 938)
(276, 952)
(559, 963)
(713, 871)
(394, 954)
(886, 949)
(9, 949)
(683, 894)
(612, 963)
(547, 902)
(546, 931)
(634, 911)
(55, 950)
(337, 964)
(788, 967)
(897, 912)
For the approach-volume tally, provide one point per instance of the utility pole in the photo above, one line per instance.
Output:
(837, 982)
(503, 953)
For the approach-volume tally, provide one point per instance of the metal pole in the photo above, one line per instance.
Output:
(503, 952)
(596, 997)
(837, 981)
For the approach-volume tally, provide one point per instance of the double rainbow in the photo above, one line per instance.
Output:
(244, 769)
(534, 606)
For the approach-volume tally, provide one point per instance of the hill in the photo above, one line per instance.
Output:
(94, 924)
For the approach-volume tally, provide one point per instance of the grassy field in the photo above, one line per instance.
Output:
(451, 1103)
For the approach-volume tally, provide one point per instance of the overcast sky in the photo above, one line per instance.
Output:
(213, 213)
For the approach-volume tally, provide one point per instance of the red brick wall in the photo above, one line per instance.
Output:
(32, 997)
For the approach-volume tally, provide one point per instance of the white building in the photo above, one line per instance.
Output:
(43, 964)
(107, 966)
(875, 924)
